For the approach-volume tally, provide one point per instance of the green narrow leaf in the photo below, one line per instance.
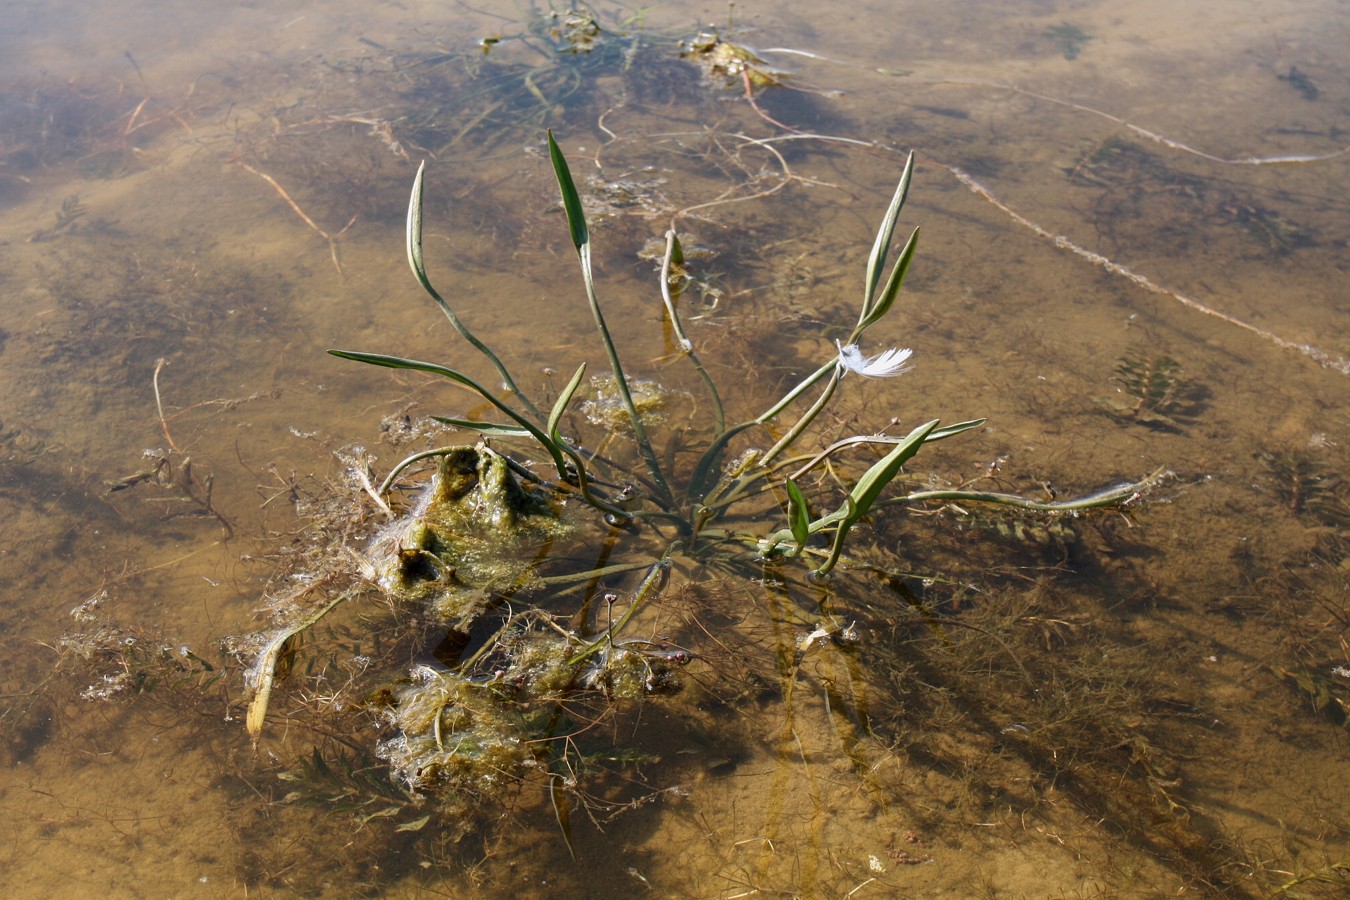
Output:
(1112, 495)
(194, 657)
(561, 405)
(418, 265)
(705, 473)
(875, 479)
(387, 813)
(415, 231)
(876, 262)
(415, 824)
(870, 486)
(947, 431)
(883, 304)
(576, 219)
(487, 429)
(398, 362)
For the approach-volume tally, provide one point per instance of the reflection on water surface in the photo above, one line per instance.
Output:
(1143, 701)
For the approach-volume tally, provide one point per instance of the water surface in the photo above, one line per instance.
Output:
(1133, 257)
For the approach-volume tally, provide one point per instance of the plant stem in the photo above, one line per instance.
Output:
(807, 418)
(685, 344)
(581, 240)
(621, 381)
(418, 265)
(653, 583)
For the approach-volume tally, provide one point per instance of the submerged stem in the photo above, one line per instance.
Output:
(807, 417)
(672, 247)
(653, 583)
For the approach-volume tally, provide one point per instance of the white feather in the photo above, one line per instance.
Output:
(883, 365)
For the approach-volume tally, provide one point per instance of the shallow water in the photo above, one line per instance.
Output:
(194, 205)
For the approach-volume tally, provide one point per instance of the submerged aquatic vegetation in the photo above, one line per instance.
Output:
(1305, 487)
(67, 218)
(18, 447)
(1300, 81)
(1069, 39)
(1264, 226)
(1151, 392)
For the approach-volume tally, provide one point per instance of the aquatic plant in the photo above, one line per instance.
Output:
(705, 495)
(1069, 39)
(1151, 392)
(1306, 488)
(489, 529)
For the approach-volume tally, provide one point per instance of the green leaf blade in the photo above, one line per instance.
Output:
(875, 479)
(414, 241)
(399, 362)
(883, 304)
(487, 429)
(946, 431)
(576, 217)
(865, 493)
(556, 414)
(881, 245)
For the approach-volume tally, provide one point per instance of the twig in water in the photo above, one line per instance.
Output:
(1336, 363)
(1169, 142)
(304, 217)
(750, 96)
(1289, 159)
(159, 405)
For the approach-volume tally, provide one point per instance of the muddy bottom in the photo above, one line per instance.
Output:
(1131, 265)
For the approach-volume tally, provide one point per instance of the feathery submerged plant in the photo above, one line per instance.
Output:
(484, 532)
